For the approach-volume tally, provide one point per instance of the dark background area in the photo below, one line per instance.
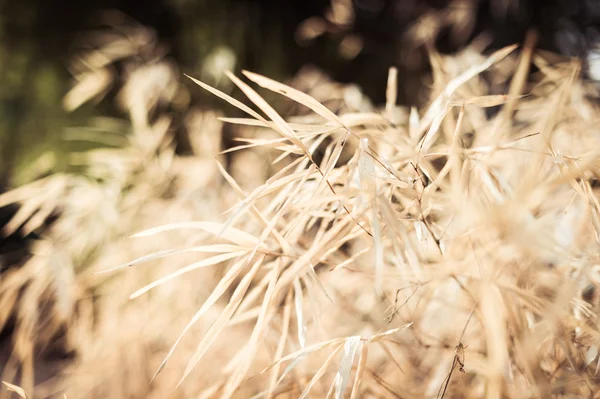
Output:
(38, 37)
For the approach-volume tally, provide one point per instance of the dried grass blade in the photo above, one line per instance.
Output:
(492, 311)
(234, 235)
(270, 186)
(222, 321)
(39, 218)
(321, 371)
(332, 161)
(22, 193)
(413, 123)
(250, 350)
(362, 363)
(219, 290)
(298, 302)
(366, 172)
(16, 389)
(216, 248)
(352, 258)
(391, 92)
(285, 246)
(194, 266)
(304, 130)
(343, 375)
(285, 328)
(380, 336)
(229, 99)
(282, 125)
(519, 79)
(313, 274)
(303, 352)
(439, 107)
(486, 101)
(341, 228)
(246, 122)
(25, 212)
(296, 95)
(263, 143)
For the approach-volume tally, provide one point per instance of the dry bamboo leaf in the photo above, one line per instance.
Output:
(194, 266)
(232, 234)
(285, 246)
(358, 119)
(285, 327)
(26, 211)
(298, 96)
(486, 101)
(343, 375)
(298, 302)
(391, 93)
(362, 362)
(380, 336)
(282, 126)
(262, 143)
(304, 129)
(214, 331)
(91, 84)
(273, 184)
(289, 149)
(302, 353)
(332, 161)
(251, 348)
(16, 389)
(229, 99)
(22, 193)
(313, 274)
(219, 290)
(414, 121)
(321, 371)
(366, 172)
(216, 248)
(439, 107)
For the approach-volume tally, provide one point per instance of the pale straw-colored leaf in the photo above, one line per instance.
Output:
(391, 92)
(485, 101)
(296, 95)
(437, 110)
(387, 333)
(343, 375)
(414, 122)
(285, 328)
(232, 234)
(362, 363)
(16, 389)
(282, 126)
(299, 303)
(90, 84)
(194, 266)
(321, 371)
(229, 99)
(285, 246)
(252, 345)
(217, 327)
(304, 352)
(591, 354)
(22, 193)
(26, 211)
(215, 248)
(219, 290)
(366, 173)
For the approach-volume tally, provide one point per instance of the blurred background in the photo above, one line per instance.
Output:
(349, 40)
